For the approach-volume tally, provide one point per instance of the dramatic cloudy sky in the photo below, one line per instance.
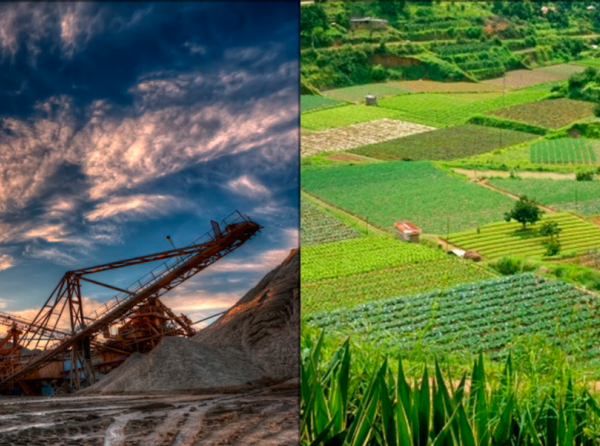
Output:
(123, 123)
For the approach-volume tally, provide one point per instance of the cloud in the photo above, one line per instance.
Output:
(54, 255)
(136, 206)
(250, 187)
(6, 262)
(262, 263)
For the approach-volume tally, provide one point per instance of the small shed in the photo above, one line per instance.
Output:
(371, 23)
(371, 99)
(407, 231)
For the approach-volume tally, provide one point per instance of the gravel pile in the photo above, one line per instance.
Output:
(265, 323)
(179, 364)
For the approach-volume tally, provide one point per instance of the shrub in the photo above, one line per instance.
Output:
(585, 175)
(552, 248)
(507, 266)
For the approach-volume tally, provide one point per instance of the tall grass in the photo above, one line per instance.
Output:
(343, 404)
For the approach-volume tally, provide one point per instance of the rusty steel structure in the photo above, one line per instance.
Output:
(134, 320)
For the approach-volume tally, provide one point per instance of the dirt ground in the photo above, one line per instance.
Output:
(267, 417)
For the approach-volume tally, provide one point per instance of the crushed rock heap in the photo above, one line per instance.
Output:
(265, 323)
(256, 340)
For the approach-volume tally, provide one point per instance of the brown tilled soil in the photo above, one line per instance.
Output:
(267, 417)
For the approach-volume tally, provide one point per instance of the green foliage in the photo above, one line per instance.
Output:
(501, 123)
(507, 266)
(381, 405)
(344, 116)
(550, 229)
(444, 144)
(553, 247)
(526, 211)
(585, 175)
(375, 193)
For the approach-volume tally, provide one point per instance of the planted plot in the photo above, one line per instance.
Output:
(384, 193)
(407, 278)
(559, 194)
(527, 78)
(364, 254)
(313, 102)
(356, 135)
(473, 317)
(357, 93)
(344, 116)
(445, 144)
(319, 226)
(426, 86)
(553, 113)
(443, 110)
(502, 239)
(566, 151)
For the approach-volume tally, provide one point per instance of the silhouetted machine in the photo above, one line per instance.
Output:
(134, 320)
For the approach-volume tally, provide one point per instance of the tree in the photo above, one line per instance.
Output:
(550, 229)
(526, 211)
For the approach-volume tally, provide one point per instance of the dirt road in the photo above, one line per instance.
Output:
(268, 417)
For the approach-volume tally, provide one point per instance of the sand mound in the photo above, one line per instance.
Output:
(179, 364)
(265, 323)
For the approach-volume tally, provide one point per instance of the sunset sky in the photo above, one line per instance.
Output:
(123, 123)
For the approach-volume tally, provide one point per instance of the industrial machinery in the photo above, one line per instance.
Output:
(135, 320)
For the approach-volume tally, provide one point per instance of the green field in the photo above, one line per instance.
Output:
(486, 316)
(343, 116)
(357, 93)
(554, 113)
(350, 290)
(364, 254)
(583, 196)
(319, 226)
(383, 193)
(566, 151)
(443, 110)
(502, 239)
(445, 144)
(314, 102)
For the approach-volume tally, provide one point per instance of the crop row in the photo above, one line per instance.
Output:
(318, 226)
(565, 151)
(501, 239)
(445, 144)
(489, 315)
(332, 260)
(350, 290)
(375, 193)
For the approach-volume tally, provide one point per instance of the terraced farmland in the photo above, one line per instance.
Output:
(343, 138)
(364, 254)
(347, 291)
(566, 151)
(319, 226)
(502, 239)
(344, 116)
(443, 110)
(383, 193)
(445, 144)
(553, 113)
(583, 196)
(314, 102)
(357, 93)
(473, 317)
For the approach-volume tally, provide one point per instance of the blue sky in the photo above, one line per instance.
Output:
(123, 123)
